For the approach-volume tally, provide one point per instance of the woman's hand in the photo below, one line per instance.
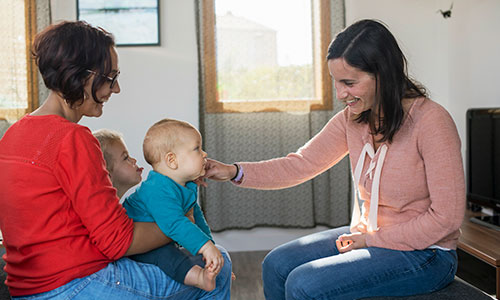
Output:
(200, 181)
(348, 242)
(218, 171)
(190, 215)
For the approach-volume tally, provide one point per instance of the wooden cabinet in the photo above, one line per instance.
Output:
(481, 242)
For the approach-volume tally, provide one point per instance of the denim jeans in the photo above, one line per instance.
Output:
(128, 279)
(312, 268)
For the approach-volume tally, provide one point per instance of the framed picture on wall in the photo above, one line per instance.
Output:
(132, 22)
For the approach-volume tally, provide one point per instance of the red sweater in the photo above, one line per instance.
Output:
(59, 214)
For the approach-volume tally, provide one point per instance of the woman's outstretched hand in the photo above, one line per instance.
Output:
(218, 171)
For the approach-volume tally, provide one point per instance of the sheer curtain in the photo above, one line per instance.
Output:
(13, 69)
(231, 137)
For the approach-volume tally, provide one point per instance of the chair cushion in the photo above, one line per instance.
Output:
(457, 290)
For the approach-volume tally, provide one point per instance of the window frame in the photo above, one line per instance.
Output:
(323, 86)
(32, 74)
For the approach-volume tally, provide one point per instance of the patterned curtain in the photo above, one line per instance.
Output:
(231, 137)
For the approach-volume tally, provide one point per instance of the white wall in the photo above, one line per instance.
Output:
(457, 59)
(420, 32)
(156, 81)
(474, 58)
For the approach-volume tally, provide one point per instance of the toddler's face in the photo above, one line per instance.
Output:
(125, 173)
(191, 157)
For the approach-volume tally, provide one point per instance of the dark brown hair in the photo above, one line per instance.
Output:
(369, 46)
(64, 53)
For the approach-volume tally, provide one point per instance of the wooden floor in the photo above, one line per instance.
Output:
(248, 270)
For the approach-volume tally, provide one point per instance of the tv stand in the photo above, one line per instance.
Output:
(481, 242)
(492, 222)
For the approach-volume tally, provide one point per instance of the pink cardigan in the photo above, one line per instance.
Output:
(422, 186)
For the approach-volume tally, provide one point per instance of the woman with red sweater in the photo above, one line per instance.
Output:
(407, 167)
(64, 231)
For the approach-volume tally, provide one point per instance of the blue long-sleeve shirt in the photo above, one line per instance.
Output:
(161, 200)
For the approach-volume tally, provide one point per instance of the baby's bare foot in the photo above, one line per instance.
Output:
(206, 280)
(201, 278)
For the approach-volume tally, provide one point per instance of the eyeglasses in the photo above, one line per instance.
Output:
(113, 79)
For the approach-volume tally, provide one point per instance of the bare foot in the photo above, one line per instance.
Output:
(200, 278)
(206, 280)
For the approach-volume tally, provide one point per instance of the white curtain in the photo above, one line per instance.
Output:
(43, 19)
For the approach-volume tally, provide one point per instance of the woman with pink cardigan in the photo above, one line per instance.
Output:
(407, 167)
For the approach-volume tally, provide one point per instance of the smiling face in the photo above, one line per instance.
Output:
(357, 89)
(91, 108)
(190, 156)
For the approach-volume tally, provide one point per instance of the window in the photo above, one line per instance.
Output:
(18, 76)
(266, 55)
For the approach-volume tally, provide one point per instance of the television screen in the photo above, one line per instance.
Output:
(483, 157)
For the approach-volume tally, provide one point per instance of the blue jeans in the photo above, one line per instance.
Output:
(128, 279)
(312, 268)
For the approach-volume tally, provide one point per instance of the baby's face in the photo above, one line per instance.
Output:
(190, 156)
(125, 173)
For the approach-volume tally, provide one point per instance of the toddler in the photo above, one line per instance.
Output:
(124, 174)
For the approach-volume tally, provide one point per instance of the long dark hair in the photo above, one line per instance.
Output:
(65, 52)
(369, 46)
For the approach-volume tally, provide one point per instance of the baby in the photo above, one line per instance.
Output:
(124, 174)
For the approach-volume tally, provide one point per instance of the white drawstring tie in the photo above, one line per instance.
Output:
(372, 215)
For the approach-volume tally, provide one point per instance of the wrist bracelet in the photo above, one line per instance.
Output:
(239, 175)
(237, 172)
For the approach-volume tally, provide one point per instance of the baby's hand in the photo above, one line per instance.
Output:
(212, 257)
(190, 215)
